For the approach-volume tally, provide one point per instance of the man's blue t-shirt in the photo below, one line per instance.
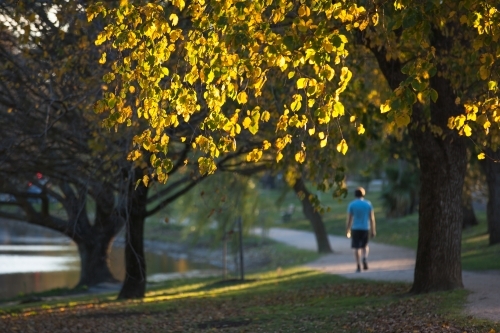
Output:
(361, 210)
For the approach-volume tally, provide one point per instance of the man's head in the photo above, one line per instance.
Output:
(359, 193)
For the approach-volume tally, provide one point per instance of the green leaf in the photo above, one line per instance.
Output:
(410, 20)
(434, 95)
(288, 42)
(336, 41)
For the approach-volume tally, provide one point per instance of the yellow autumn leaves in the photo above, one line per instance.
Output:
(166, 74)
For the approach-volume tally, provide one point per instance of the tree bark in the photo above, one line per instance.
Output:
(313, 216)
(134, 285)
(443, 163)
(492, 172)
(94, 260)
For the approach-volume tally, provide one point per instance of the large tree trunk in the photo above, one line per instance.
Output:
(443, 164)
(94, 260)
(492, 172)
(93, 239)
(134, 285)
(313, 216)
(438, 264)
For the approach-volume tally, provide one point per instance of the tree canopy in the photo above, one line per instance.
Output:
(173, 59)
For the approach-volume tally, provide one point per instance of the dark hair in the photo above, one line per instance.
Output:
(359, 193)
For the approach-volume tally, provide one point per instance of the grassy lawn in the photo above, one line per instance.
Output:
(289, 300)
(278, 297)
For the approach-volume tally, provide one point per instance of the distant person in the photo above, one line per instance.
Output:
(360, 225)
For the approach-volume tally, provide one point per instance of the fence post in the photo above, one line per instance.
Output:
(242, 266)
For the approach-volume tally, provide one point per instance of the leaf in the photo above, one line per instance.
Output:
(247, 122)
(101, 38)
(402, 119)
(265, 116)
(481, 156)
(296, 104)
(145, 180)
(434, 95)
(242, 97)
(323, 142)
(467, 130)
(311, 131)
(304, 11)
(174, 18)
(342, 147)
(386, 107)
(301, 83)
(300, 156)
(279, 156)
(338, 109)
(103, 58)
(492, 85)
(361, 129)
(484, 72)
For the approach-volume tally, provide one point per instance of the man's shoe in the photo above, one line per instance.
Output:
(365, 264)
(358, 270)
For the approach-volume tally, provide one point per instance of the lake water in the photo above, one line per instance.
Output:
(39, 260)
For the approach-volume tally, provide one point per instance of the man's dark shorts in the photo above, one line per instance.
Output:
(359, 239)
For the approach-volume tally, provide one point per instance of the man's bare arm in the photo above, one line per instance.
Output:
(348, 225)
(373, 229)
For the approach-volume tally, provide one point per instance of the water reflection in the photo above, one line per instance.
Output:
(32, 264)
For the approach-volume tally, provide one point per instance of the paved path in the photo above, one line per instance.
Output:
(393, 263)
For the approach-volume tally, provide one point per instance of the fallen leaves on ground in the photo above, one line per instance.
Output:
(309, 304)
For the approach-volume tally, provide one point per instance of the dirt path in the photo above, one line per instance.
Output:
(393, 263)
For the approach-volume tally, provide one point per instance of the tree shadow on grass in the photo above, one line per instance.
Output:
(223, 323)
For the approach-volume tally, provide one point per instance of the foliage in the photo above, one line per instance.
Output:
(181, 59)
(217, 203)
(228, 52)
(400, 192)
(291, 300)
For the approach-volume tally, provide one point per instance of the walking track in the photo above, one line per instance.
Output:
(393, 263)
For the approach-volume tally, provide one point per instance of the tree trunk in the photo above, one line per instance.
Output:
(443, 165)
(443, 162)
(313, 216)
(469, 218)
(492, 172)
(134, 285)
(94, 260)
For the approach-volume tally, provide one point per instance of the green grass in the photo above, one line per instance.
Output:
(477, 254)
(288, 300)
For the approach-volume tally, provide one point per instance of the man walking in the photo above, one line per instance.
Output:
(360, 224)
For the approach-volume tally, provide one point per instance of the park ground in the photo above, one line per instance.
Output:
(310, 293)
(295, 299)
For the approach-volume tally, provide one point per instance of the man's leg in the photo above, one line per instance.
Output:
(365, 251)
(357, 255)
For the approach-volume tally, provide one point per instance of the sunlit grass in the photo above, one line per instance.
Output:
(476, 239)
(284, 300)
